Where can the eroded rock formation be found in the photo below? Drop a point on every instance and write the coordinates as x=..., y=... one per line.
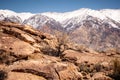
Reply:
x=28, y=54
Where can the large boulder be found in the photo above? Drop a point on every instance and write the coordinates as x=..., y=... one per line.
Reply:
x=48, y=69
x=101, y=76
x=79, y=57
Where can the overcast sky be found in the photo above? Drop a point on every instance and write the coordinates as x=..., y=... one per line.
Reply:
x=36, y=6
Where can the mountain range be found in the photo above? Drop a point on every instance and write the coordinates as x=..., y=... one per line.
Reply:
x=97, y=29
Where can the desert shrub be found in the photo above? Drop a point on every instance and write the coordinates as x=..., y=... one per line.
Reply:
x=116, y=69
x=62, y=45
x=3, y=75
x=86, y=67
x=49, y=51
x=3, y=56
x=63, y=41
x=98, y=67
x=90, y=68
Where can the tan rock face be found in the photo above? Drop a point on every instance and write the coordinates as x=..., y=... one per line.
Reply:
x=23, y=76
x=22, y=39
x=79, y=57
x=22, y=48
x=47, y=69
x=101, y=76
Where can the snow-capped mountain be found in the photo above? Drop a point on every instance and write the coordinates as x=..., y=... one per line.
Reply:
x=68, y=18
x=77, y=13
x=8, y=14
x=43, y=22
x=101, y=14
x=98, y=29
x=78, y=16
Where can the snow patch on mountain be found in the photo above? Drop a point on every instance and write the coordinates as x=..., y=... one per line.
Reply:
x=39, y=20
x=9, y=13
x=112, y=13
x=102, y=14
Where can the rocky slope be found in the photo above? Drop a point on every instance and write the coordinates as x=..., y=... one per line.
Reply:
x=96, y=34
x=28, y=54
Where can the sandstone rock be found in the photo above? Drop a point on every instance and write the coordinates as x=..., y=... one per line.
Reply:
x=79, y=57
x=70, y=55
x=47, y=69
x=22, y=48
x=24, y=39
x=23, y=76
x=28, y=38
x=105, y=65
x=70, y=73
x=101, y=76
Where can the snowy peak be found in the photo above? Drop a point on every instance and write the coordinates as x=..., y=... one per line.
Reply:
x=38, y=21
x=9, y=13
x=112, y=13
x=67, y=15
x=102, y=14
x=25, y=16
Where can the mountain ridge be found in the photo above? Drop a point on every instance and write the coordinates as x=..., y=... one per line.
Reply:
x=10, y=12
x=98, y=29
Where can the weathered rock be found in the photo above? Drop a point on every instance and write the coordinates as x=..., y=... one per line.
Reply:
x=23, y=76
x=71, y=73
x=101, y=76
x=70, y=55
x=22, y=48
x=20, y=38
x=47, y=69
x=79, y=57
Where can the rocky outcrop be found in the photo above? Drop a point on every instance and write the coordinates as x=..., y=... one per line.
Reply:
x=25, y=54
x=28, y=54
x=101, y=76
x=79, y=57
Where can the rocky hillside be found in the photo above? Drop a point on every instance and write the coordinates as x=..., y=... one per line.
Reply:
x=28, y=54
